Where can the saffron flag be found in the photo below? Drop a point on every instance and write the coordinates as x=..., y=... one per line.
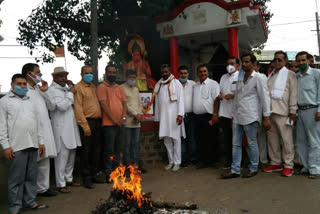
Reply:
x=59, y=51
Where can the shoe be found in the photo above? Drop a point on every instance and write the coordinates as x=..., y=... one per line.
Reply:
x=249, y=174
x=99, y=178
x=88, y=185
x=169, y=166
x=176, y=167
x=230, y=175
x=273, y=168
x=302, y=171
x=287, y=172
x=184, y=164
x=48, y=193
x=142, y=170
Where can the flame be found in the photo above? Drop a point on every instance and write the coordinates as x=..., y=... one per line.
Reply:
x=129, y=188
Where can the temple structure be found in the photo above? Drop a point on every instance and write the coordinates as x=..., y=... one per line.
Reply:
x=208, y=31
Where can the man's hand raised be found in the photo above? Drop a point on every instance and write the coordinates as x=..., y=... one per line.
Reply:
x=44, y=86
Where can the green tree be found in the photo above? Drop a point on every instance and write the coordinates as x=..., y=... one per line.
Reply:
x=58, y=21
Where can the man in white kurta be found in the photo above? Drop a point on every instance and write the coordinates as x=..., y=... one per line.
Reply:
x=169, y=111
x=38, y=95
x=65, y=128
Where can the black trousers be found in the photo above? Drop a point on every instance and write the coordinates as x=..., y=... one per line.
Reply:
x=90, y=149
x=225, y=141
x=206, y=138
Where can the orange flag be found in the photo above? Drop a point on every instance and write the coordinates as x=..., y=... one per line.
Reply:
x=59, y=51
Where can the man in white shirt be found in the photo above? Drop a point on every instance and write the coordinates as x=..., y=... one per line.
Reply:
x=251, y=93
x=227, y=86
x=169, y=111
x=188, y=146
x=65, y=128
x=21, y=139
x=205, y=106
x=38, y=94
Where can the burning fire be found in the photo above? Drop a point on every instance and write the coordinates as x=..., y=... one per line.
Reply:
x=131, y=189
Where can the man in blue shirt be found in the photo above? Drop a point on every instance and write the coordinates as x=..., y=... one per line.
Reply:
x=308, y=125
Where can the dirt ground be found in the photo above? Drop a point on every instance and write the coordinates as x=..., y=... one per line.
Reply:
x=266, y=193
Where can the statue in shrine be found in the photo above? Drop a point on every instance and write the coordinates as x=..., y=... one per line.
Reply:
x=136, y=49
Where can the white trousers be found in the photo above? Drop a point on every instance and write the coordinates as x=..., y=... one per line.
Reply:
x=173, y=149
x=64, y=163
x=43, y=175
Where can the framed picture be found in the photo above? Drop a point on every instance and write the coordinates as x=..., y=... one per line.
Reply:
x=146, y=98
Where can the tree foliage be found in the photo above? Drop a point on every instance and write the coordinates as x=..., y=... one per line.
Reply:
x=58, y=21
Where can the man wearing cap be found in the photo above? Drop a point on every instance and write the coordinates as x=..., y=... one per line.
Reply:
x=65, y=129
x=88, y=114
x=38, y=95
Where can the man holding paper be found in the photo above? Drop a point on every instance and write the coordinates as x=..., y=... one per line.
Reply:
x=282, y=85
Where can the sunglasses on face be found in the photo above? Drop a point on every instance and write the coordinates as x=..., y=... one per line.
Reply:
x=277, y=59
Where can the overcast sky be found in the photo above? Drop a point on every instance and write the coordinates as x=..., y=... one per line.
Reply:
x=291, y=30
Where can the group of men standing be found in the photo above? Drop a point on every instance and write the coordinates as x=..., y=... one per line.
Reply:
x=216, y=121
x=202, y=123
x=41, y=122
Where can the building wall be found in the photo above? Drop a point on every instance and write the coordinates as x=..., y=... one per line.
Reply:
x=152, y=151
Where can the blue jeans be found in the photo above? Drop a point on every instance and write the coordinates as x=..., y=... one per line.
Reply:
x=131, y=146
x=188, y=144
x=113, y=141
x=251, y=132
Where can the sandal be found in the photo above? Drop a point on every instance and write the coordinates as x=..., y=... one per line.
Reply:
x=73, y=184
x=64, y=190
x=314, y=176
x=37, y=207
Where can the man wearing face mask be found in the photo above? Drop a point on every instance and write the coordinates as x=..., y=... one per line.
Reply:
x=169, y=111
x=88, y=114
x=188, y=146
x=251, y=94
x=308, y=123
x=114, y=110
x=39, y=95
x=282, y=84
x=227, y=86
x=134, y=107
x=21, y=140
x=65, y=129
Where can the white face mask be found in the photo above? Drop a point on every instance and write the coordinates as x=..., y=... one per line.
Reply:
x=131, y=82
x=231, y=69
x=37, y=79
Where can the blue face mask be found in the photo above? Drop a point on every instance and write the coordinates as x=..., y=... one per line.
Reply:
x=183, y=80
x=19, y=90
x=88, y=78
